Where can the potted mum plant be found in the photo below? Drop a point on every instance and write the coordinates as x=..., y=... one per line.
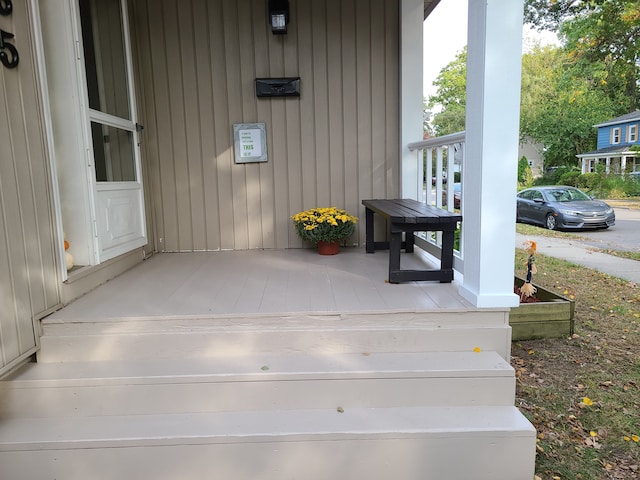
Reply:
x=325, y=226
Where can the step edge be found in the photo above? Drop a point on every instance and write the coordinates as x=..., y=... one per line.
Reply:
x=354, y=424
x=264, y=368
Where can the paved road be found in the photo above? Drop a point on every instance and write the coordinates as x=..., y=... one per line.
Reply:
x=625, y=235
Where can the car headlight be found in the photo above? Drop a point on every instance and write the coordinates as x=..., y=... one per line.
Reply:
x=609, y=211
x=568, y=212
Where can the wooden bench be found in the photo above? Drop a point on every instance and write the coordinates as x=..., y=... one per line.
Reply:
x=409, y=216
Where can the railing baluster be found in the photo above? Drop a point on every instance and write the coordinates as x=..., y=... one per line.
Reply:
x=445, y=170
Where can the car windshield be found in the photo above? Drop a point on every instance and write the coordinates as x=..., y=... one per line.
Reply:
x=567, y=195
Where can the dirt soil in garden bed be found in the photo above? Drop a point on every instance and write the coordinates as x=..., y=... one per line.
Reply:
x=583, y=393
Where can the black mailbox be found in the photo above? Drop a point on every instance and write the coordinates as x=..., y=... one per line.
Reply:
x=278, y=87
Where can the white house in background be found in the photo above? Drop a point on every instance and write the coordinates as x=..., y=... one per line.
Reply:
x=616, y=137
x=118, y=124
x=533, y=152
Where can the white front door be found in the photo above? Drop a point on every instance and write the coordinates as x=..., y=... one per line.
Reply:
x=119, y=221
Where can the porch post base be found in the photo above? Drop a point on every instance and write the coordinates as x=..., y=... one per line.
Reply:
x=485, y=300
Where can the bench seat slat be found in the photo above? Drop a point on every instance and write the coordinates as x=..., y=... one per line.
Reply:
x=411, y=211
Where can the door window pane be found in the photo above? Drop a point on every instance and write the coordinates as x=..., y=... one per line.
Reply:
x=113, y=154
x=104, y=55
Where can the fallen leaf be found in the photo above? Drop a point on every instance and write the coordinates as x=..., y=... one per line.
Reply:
x=586, y=402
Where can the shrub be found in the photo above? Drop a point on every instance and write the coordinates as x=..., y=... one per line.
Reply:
x=525, y=175
x=570, y=178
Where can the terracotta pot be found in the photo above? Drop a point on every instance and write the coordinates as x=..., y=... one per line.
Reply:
x=328, y=248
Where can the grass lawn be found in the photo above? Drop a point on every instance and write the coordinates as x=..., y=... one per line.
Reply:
x=583, y=393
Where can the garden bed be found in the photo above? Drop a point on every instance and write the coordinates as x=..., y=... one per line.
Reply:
x=550, y=317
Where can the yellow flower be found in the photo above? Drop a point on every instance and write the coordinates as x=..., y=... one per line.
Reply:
x=324, y=224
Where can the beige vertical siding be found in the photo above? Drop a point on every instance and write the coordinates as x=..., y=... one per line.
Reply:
x=28, y=279
x=334, y=145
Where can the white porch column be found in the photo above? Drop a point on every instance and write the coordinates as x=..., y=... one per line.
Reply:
x=491, y=169
x=411, y=19
x=623, y=164
x=607, y=167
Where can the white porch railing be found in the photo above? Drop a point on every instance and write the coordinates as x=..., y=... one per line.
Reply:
x=436, y=185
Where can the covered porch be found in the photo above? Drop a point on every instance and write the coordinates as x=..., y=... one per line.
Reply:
x=199, y=338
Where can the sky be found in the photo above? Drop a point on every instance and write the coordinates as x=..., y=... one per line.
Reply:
x=446, y=27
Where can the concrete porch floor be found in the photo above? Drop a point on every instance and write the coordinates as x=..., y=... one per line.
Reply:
x=261, y=282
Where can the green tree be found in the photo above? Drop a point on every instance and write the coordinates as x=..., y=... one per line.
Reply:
x=605, y=42
x=560, y=105
x=450, y=96
x=601, y=37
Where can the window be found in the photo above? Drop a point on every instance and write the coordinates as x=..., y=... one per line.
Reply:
x=615, y=135
x=632, y=133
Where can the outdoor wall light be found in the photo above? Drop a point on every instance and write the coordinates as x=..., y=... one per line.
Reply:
x=278, y=16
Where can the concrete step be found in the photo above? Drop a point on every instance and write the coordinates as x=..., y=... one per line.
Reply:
x=425, y=443
x=258, y=382
x=180, y=338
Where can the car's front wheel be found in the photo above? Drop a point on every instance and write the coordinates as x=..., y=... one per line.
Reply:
x=552, y=223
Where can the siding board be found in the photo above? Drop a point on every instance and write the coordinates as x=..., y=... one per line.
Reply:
x=334, y=145
x=206, y=122
x=320, y=26
x=175, y=69
x=194, y=161
x=378, y=114
x=307, y=121
x=166, y=194
x=263, y=111
x=344, y=171
x=336, y=153
x=363, y=170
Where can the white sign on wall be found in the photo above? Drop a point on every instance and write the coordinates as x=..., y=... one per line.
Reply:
x=250, y=142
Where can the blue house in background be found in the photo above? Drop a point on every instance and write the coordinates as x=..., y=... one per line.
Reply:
x=616, y=138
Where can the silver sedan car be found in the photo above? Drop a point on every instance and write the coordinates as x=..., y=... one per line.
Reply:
x=562, y=208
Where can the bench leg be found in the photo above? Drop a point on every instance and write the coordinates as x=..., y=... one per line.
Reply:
x=446, y=259
x=394, y=255
x=370, y=243
x=408, y=242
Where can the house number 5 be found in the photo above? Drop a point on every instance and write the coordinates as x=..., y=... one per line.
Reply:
x=8, y=53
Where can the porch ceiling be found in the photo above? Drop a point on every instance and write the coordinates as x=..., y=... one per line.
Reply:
x=261, y=282
x=429, y=5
